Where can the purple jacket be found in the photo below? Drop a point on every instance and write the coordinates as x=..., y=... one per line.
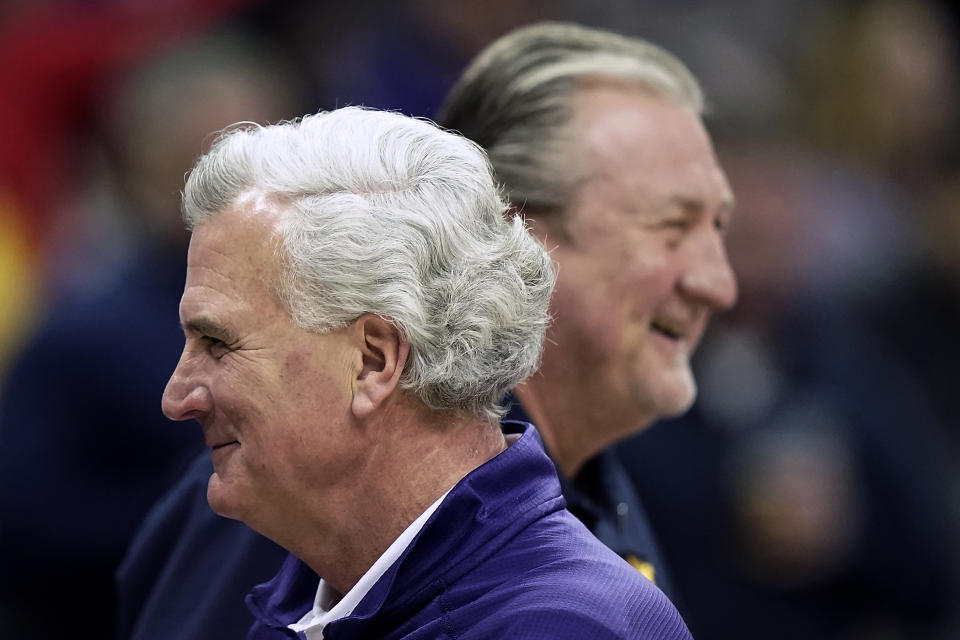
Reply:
x=500, y=558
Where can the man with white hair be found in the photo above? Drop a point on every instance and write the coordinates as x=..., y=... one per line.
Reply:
x=356, y=305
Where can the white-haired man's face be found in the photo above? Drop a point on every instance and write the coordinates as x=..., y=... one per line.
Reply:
x=641, y=260
x=273, y=399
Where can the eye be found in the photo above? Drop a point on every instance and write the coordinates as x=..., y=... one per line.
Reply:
x=721, y=224
x=673, y=230
x=675, y=223
x=217, y=348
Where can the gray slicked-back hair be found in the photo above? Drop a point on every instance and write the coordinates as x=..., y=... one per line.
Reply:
x=515, y=98
x=390, y=215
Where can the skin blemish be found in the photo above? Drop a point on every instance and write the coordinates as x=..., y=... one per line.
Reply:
x=296, y=363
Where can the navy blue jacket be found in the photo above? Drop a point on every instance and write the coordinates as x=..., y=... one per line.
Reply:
x=500, y=558
x=604, y=498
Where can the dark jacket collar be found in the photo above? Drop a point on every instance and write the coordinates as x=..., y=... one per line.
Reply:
x=603, y=497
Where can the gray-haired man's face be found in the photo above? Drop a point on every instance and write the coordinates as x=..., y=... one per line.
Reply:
x=642, y=264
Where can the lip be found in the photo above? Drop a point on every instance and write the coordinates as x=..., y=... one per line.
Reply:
x=220, y=453
x=679, y=328
x=667, y=340
x=218, y=438
x=672, y=332
x=668, y=335
x=672, y=344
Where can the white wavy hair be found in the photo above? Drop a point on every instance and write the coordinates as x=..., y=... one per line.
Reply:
x=393, y=216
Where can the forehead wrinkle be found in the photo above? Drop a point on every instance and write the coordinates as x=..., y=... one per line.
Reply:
x=205, y=307
x=231, y=270
x=267, y=242
x=211, y=253
x=208, y=276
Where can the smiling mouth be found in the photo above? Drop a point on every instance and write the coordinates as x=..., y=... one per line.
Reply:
x=665, y=330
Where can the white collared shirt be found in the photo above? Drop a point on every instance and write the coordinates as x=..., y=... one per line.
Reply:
x=326, y=606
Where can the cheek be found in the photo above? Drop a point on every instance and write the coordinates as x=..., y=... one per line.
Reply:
x=589, y=318
x=632, y=267
x=643, y=284
x=240, y=383
x=295, y=364
x=629, y=290
x=606, y=305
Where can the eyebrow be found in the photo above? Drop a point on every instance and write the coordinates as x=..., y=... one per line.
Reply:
x=693, y=205
x=207, y=327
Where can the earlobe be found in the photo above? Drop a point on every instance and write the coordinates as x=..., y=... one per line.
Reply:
x=384, y=351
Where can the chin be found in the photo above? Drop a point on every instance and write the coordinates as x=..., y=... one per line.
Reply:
x=679, y=408
x=220, y=499
x=678, y=398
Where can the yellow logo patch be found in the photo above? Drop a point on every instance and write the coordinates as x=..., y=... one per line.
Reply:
x=644, y=567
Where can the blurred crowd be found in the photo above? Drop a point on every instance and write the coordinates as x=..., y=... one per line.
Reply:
x=814, y=489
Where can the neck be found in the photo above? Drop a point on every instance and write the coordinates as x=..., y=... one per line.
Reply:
x=413, y=460
x=573, y=428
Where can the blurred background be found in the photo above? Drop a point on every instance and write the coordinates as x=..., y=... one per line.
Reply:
x=813, y=491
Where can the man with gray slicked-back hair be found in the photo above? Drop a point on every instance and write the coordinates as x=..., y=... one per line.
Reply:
x=516, y=100
x=356, y=305
x=598, y=141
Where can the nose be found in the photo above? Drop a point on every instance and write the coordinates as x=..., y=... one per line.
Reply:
x=185, y=396
x=708, y=277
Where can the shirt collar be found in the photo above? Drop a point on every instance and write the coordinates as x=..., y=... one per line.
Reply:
x=329, y=606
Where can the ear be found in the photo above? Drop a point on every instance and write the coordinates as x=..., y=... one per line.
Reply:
x=384, y=351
